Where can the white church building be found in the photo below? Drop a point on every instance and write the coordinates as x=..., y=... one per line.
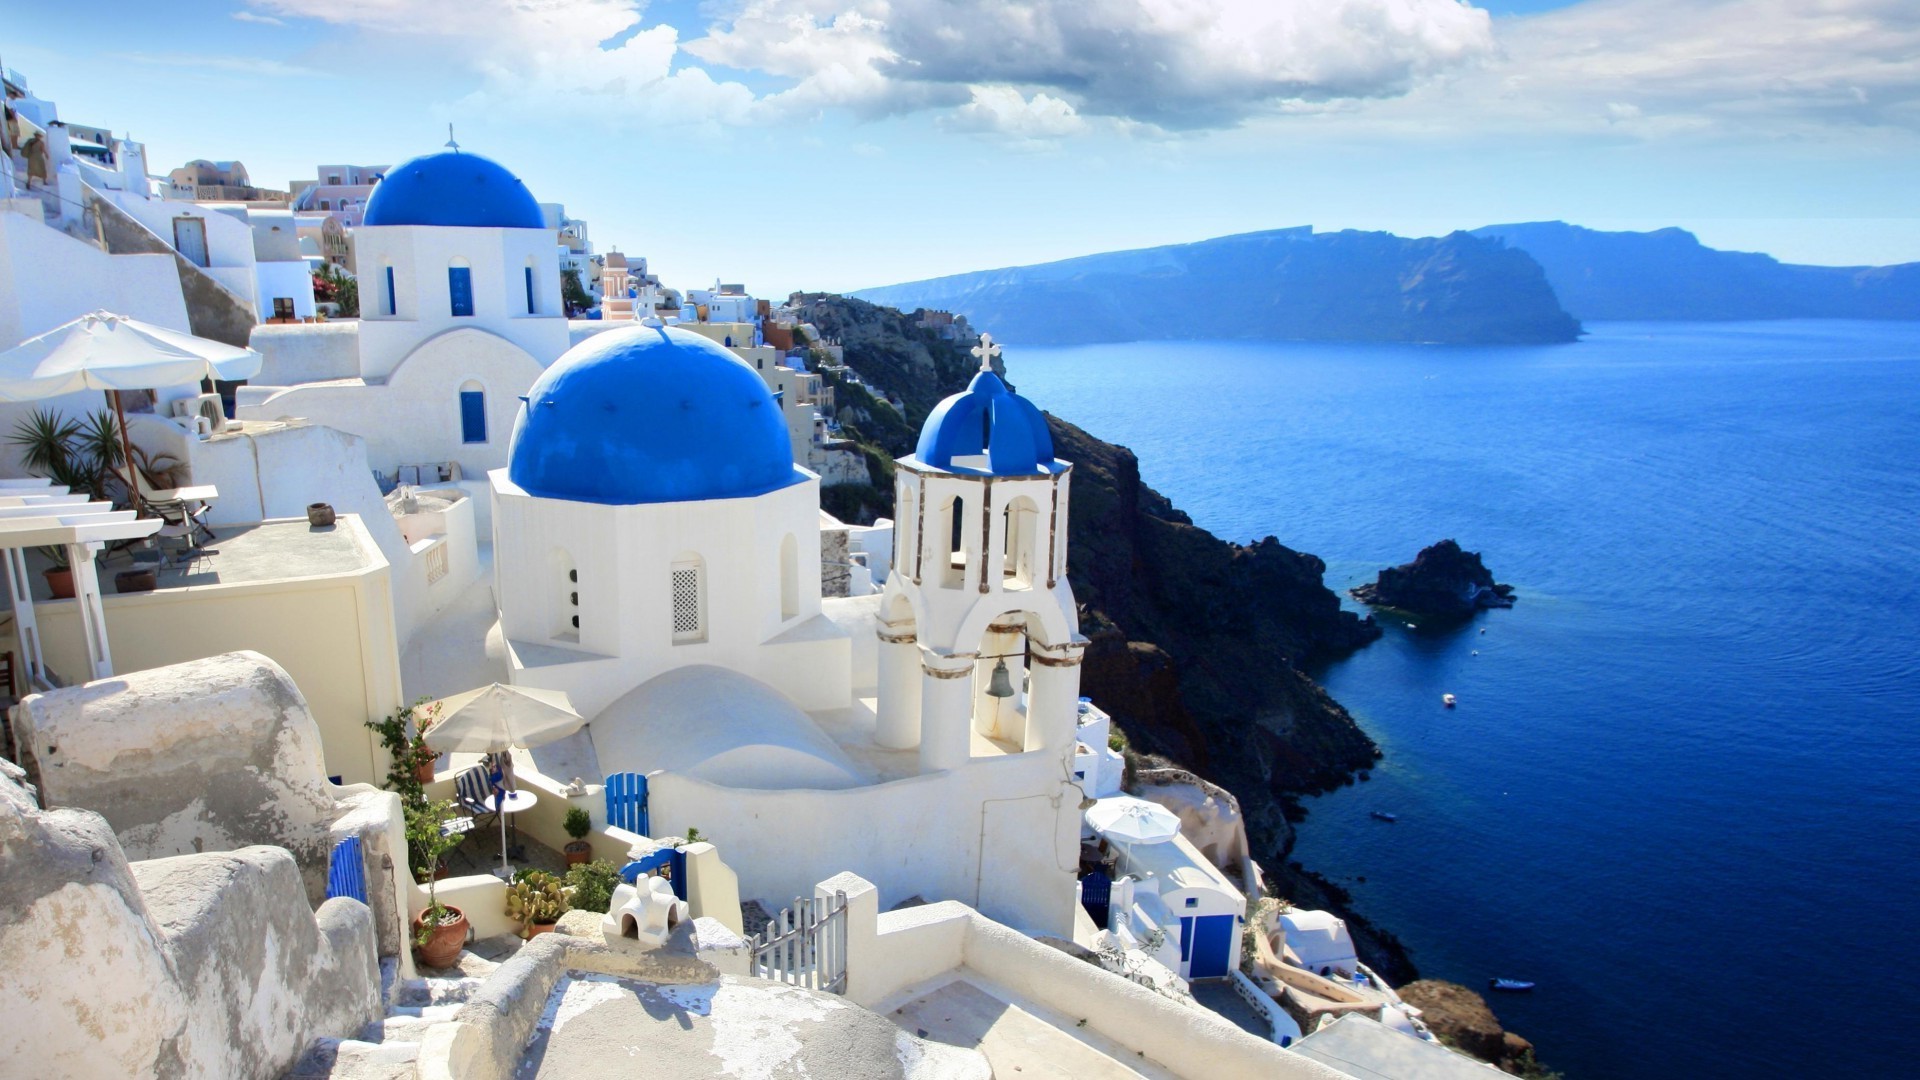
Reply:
x=657, y=558
x=460, y=311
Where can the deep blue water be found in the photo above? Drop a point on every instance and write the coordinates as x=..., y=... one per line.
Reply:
x=1679, y=790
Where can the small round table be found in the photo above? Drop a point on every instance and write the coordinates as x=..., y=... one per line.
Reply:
x=505, y=803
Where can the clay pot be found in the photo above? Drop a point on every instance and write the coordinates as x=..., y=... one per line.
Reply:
x=423, y=772
x=319, y=515
x=60, y=580
x=444, y=944
x=577, y=852
x=136, y=581
x=534, y=930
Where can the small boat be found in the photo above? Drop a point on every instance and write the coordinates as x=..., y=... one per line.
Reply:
x=1382, y=815
x=1448, y=700
x=1511, y=985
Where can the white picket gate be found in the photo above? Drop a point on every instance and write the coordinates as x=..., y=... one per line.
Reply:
x=806, y=944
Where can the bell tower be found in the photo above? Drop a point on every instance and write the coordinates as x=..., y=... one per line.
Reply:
x=979, y=634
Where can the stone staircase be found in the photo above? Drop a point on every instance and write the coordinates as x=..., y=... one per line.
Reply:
x=386, y=1048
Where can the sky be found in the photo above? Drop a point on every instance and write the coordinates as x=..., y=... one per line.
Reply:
x=836, y=144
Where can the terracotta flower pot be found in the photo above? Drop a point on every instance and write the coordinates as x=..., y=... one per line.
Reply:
x=443, y=946
x=577, y=852
x=319, y=514
x=423, y=772
x=534, y=930
x=60, y=580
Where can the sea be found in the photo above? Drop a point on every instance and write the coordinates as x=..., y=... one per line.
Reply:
x=1678, y=791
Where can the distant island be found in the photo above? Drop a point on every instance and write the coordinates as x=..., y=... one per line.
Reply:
x=1283, y=284
x=1519, y=284
x=1670, y=274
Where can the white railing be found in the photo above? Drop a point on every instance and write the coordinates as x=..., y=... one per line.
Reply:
x=437, y=561
x=806, y=944
x=1285, y=1031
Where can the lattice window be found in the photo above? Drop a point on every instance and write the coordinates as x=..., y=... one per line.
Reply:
x=689, y=616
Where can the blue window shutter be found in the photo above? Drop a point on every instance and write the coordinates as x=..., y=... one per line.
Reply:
x=460, y=289
x=529, y=290
x=393, y=298
x=473, y=416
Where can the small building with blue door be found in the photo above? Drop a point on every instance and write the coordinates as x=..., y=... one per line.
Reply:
x=1199, y=908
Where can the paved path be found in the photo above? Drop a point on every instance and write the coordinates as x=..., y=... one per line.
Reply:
x=1020, y=1041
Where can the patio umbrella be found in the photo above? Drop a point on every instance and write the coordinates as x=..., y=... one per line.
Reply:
x=104, y=351
x=497, y=718
x=1127, y=820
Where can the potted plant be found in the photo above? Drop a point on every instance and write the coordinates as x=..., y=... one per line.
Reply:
x=60, y=574
x=410, y=759
x=440, y=930
x=424, y=757
x=538, y=900
x=578, y=825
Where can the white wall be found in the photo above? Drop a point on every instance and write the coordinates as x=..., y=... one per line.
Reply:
x=420, y=256
x=290, y=355
x=229, y=240
x=413, y=418
x=48, y=278
x=1000, y=834
x=291, y=279
x=624, y=556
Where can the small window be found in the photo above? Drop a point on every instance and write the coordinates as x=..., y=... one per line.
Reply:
x=393, y=297
x=473, y=416
x=283, y=307
x=333, y=178
x=1193, y=901
x=689, y=604
x=460, y=289
x=529, y=271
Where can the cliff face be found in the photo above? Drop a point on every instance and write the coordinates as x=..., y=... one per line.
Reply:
x=1287, y=284
x=1670, y=274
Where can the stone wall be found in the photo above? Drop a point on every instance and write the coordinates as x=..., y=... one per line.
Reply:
x=214, y=311
x=198, y=966
x=207, y=755
x=835, y=555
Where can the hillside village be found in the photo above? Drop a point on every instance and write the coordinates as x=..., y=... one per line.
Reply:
x=430, y=654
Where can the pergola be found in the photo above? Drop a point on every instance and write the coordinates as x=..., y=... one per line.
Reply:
x=36, y=513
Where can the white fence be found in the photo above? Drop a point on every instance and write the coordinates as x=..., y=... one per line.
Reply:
x=806, y=944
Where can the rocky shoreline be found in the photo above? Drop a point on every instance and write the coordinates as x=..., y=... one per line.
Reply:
x=1442, y=582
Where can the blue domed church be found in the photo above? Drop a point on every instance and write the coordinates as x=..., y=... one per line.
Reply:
x=460, y=310
x=650, y=517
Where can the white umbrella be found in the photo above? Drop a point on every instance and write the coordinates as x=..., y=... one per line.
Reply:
x=104, y=351
x=496, y=718
x=1128, y=820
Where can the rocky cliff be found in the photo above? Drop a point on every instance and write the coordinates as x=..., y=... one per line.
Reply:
x=1291, y=284
x=1463, y=1021
x=1670, y=274
x=1442, y=581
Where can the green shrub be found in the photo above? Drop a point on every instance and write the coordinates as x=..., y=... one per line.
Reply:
x=591, y=885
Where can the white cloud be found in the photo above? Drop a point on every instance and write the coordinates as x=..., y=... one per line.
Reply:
x=255, y=66
x=1004, y=110
x=252, y=17
x=1653, y=68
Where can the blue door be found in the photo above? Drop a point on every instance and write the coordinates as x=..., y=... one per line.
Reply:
x=473, y=416
x=1212, y=946
x=460, y=289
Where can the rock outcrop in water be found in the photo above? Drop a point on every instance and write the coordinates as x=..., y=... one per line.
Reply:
x=1462, y=1020
x=1442, y=581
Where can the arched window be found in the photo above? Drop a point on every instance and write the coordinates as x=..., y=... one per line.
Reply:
x=687, y=599
x=949, y=536
x=1019, y=527
x=566, y=597
x=789, y=577
x=473, y=412
x=460, y=288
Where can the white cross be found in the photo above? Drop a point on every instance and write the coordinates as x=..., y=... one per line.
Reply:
x=987, y=351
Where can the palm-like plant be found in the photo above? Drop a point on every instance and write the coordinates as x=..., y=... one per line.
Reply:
x=79, y=454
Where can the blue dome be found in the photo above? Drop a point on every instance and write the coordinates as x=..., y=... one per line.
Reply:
x=453, y=188
x=987, y=419
x=649, y=414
